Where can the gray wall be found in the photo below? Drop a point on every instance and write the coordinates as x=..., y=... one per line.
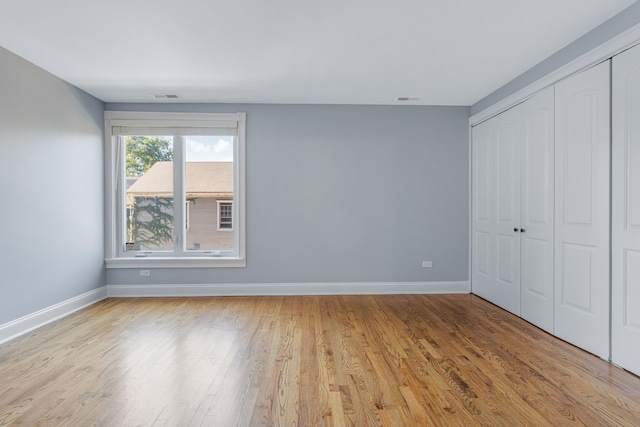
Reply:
x=609, y=29
x=344, y=194
x=51, y=170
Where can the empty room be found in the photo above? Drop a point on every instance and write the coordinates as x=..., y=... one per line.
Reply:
x=335, y=213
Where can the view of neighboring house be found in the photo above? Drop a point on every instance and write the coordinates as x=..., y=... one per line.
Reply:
x=208, y=210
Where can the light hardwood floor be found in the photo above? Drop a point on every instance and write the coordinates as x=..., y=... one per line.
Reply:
x=403, y=360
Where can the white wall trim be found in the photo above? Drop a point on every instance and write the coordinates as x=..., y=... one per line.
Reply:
x=264, y=289
x=115, y=124
x=470, y=216
x=21, y=326
x=28, y=323
x=175, y=262
x=610, y=48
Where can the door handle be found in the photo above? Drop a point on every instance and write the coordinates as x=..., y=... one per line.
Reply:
x=515, y=229
x=522, y=230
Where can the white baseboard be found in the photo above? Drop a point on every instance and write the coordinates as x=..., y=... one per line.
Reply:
x=260, y=289
x=21, y=326
x=28, y=323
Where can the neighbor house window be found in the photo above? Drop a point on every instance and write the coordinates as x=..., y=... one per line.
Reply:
x=225, y=215
x=176, y=189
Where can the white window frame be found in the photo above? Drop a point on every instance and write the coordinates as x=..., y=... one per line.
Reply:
x=220, y=202
x=187, y=215
x=171, y=124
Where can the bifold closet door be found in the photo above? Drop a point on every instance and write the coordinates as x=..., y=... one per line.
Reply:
x=513, y=210
x=496, y=210
x=482, y=270
x=506, y=202
x=536, y=222
x=582, y=210
x=625, y=251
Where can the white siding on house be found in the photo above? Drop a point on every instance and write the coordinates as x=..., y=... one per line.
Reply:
x=203, y=226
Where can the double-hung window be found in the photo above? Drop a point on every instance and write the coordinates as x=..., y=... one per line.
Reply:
x=175, y=189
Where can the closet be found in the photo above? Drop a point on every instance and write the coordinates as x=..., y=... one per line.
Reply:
x=556, y=209
x=540, y=209
x=512, y=254
x=625, y=254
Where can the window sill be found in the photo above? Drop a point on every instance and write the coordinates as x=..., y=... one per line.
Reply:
x=167, y=262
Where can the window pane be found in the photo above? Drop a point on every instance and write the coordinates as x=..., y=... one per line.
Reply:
x=149, y=198
x=209, y=179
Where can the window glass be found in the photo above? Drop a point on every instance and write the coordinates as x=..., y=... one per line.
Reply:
x=149, y=196
x=209, y=179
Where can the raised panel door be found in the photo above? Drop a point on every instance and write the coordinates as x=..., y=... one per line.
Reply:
x=507, y=183
x=482, y=210
x=537, y=244
x=582, y=155
x=625, y=251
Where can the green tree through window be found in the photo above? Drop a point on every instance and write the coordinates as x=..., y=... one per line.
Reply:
x=143, y=152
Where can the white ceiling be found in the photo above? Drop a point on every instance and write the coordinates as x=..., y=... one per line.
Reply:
x=448, y=52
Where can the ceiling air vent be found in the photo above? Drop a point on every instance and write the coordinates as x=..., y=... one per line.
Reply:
x=408, y=98
x=166, y=96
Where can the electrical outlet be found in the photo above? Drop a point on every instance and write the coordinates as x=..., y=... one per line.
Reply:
x=145, y=273
x=427, y=264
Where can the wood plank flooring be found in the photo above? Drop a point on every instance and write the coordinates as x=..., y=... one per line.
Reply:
x=401, y=360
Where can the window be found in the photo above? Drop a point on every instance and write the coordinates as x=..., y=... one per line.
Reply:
x=225, y=217
x=160, y=161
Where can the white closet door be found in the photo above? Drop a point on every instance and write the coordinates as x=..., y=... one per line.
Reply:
x=582, y=210
x=482, y=237
x=508, y=140
x=625, y=348
x=537, y=242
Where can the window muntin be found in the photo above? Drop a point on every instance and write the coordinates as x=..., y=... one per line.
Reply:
x=197, y=166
